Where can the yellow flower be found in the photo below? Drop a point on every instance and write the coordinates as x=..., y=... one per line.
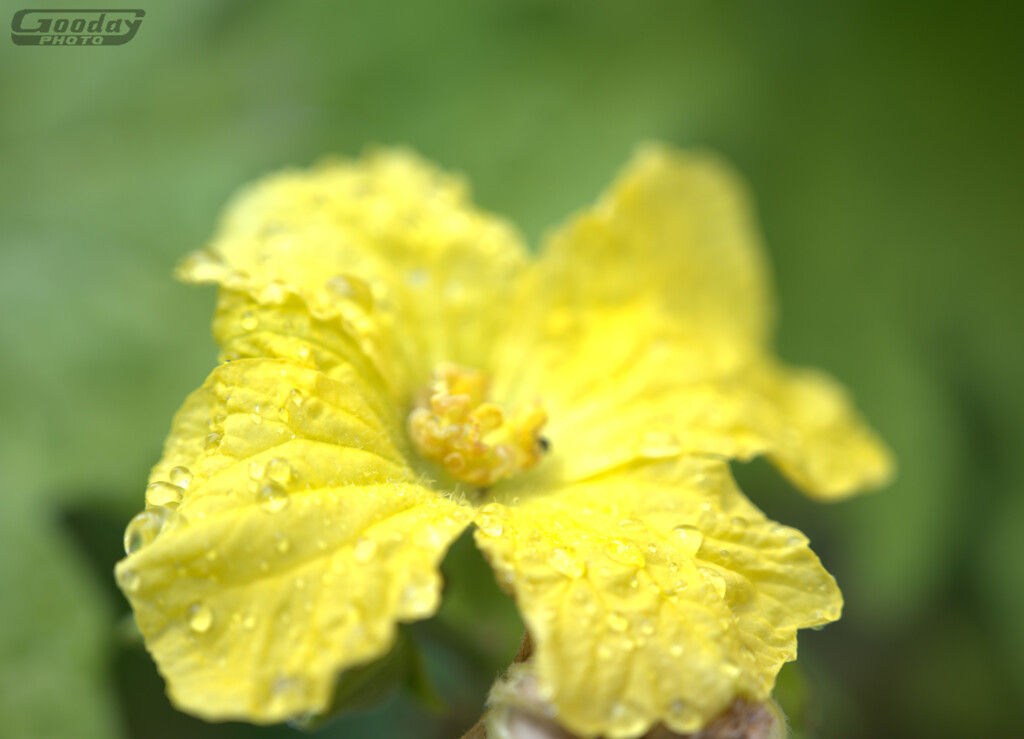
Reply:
x=396, y=369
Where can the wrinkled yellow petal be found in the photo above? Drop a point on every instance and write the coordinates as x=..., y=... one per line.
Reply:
x=644, y=327
x=656, y=595
x=294, y=537
x=387, y=249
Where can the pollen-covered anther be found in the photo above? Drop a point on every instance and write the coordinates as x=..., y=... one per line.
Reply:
x=473, y=439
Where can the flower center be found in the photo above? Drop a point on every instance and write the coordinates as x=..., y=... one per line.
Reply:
x=472, y=438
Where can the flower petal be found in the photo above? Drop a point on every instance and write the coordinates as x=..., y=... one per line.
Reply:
x=284, y=538
x=647, y=320
x=660, y=594
x=387, y=246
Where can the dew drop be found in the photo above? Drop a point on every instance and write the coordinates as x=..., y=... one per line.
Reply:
x=285, y=694
x=567, y=561
x=256, y=418
x=617, y=622
x=142, y=529
x=689, y=538
x=350, y=288
x=295, y=397
x=272, y=497
x=677, y=709
x=430, y=537
x=163, y=494
x=249, y=321
x=279, y=470
x=181, y=476
x=274, y=292
x=200, y=618
x=364, y=550
x=626, y=552
x=282, y=413
x=419, y=598
x=630, y=524
x=129, y=580
x=714, y=579
x=489, y=520
x=659, y=445
x=628, y=719
x=202, y=266
x=256, y=470
x=212, y=441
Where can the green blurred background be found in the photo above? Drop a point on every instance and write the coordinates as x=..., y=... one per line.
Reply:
x=882, y=141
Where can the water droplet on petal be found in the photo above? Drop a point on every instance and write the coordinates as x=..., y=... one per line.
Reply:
x=200, y=618
x=567, y=561
x=626, y=552
x=256, y=418
x=249, y=321
x=677, y=709
x=181, y=476
x=286, y=694
x=345, y=287
x=617, y=622
x=142, y=529
x=163, y=494
x=212, y=441
x=279, y=470
x=129, y=580
x=202, y=266
x=274, y=292
x=272, y=497
x=659, y=445
x=295, y=397
x=489, y=520
x=628, y=719
x=688, y=538
x=364, y=550
x=714, y=579
x=419, y=597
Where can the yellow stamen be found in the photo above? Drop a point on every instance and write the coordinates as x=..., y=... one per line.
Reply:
x=473, y=439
